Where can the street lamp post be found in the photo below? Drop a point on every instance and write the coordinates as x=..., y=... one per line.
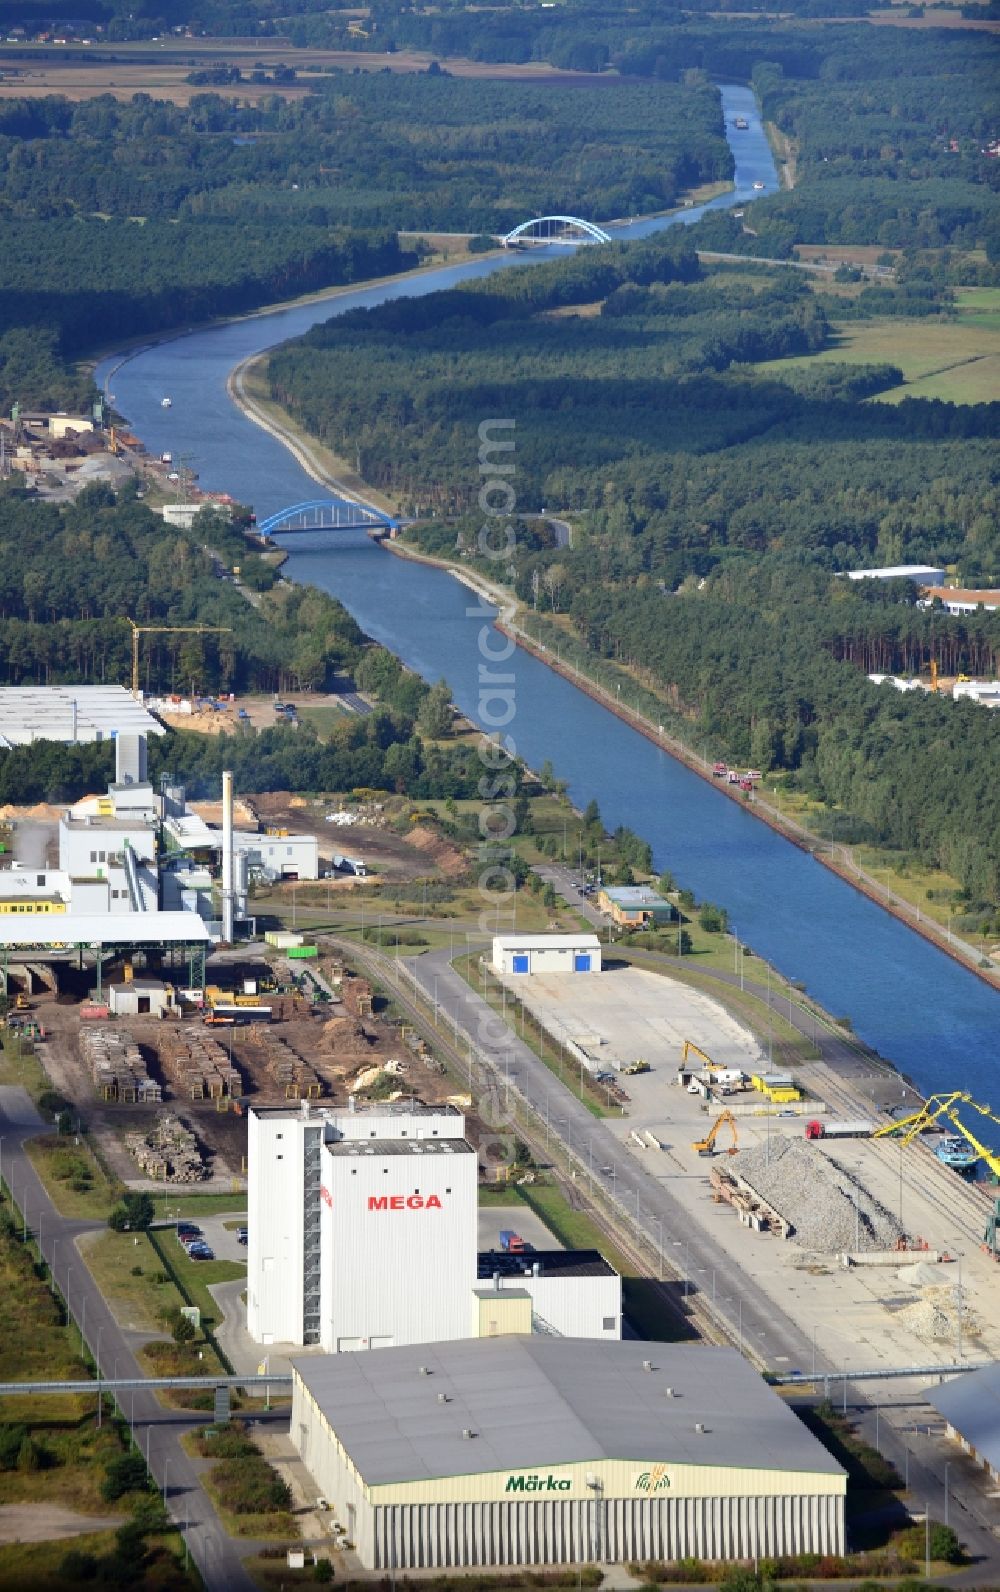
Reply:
x=947, y=1467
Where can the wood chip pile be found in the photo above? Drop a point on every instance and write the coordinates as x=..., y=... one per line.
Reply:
x=116, y=1066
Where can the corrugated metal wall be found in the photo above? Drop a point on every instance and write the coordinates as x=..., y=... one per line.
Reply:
x=614, y=1530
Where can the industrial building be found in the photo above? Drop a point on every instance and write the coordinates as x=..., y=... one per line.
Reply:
x=920, y=574
x=546, y=953
x=533, y=1450
x=970, y=1405
x=136, y=869
x=363, y=1235
x=962, y=599
x=71, y=714
x=634, y=906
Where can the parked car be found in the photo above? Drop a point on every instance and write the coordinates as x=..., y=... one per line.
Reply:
x=202, y=1254
x=241, y=1235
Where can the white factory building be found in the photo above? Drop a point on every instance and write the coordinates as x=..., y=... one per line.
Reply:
x=533, y=1450
x=546, y=953
x=363, y=1235
x=135, y=867
x=71, y=714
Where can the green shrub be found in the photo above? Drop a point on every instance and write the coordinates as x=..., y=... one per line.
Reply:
x=76, y=1566
x=30, y=1456
x=133, y=1213
x=126, y=1473
x=250, y=1486
x=11, y=1438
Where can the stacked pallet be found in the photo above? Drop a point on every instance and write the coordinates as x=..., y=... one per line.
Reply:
x=116, y=1066
x=199, y=1065
x=169, y=1152
x=295, y=1076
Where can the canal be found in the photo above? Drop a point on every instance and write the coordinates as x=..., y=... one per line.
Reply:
x=915, y=1005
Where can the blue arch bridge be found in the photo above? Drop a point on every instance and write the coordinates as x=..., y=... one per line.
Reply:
x=328, y=514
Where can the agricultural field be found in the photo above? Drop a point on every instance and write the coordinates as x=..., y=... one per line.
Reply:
x=955, y=360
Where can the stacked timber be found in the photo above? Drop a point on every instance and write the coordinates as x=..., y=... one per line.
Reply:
x=168, y=1152
x=199, y=1065
x=117, y=1066
x=296, y=1077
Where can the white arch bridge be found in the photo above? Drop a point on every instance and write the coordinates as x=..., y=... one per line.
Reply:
x=327, y=514
x=554, y=229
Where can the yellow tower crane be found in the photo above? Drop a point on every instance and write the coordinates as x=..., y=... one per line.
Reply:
x=163, y=630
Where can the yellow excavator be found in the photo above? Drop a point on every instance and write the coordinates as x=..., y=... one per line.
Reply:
x=706, y=1146
x=689, y=1046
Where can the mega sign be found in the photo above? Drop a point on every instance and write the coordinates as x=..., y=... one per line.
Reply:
x=536, y=1483
x=403, y=1202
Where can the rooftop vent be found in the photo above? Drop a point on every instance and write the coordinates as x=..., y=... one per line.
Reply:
x=647, y=1365
x=443, y=1398
x=699, y=1426
x=468, y=1432
x=425, y=1370
x=669, y=1393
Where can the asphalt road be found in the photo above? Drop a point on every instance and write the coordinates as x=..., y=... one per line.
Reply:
x=157, y=1431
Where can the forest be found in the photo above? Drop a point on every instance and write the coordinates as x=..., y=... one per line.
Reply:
x=126, y=218
x=70, y=573
x=713, y=509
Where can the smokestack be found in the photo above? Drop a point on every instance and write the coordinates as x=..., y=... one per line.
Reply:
x=227, y=856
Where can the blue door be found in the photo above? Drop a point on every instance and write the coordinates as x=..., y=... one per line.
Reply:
x=581, y=962
x=520, y=962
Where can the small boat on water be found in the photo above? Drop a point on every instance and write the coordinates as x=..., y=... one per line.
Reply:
x=166, y=403
x=758, y=187
x=741, y=124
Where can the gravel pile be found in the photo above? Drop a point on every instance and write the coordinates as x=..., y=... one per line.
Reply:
x=817, y=1197
x=935, y=1317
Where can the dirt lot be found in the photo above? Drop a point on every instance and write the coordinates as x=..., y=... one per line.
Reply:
x=420, y=854
x=341, y=1045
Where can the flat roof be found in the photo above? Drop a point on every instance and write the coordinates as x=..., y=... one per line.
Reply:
x=105, y=928
x=45, y=713
x=550, y=1262
x=971, y=1404
x=545, y=942
x=635, y=895
x=896, y=572
x=539, y=1401
x=355, y=1148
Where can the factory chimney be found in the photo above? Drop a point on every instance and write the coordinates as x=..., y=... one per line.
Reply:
x=227, y=856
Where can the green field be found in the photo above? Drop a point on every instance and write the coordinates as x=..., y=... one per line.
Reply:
x=956, y=360
x=137, y=1302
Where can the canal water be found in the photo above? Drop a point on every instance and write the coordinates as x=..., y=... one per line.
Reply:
x=915, y=1005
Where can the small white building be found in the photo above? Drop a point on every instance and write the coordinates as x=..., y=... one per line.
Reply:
x=140, y=997
x=514, y=954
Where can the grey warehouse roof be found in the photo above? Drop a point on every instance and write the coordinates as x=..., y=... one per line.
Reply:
x=971, y=1404
x=538, y=1401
